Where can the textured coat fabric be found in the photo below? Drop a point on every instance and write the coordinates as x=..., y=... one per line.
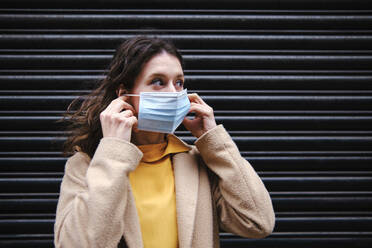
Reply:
x=215, y=188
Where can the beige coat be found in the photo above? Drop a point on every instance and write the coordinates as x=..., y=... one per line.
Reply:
x=215, y=187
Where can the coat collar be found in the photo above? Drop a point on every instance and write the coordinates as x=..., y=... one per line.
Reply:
x=186, y=173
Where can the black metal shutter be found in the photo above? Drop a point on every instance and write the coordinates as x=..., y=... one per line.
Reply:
x=291, y=81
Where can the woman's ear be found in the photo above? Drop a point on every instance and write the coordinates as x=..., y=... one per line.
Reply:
x=121, y=90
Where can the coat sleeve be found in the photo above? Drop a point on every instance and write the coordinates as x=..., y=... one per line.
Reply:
x=243, y=204
x=93, y=195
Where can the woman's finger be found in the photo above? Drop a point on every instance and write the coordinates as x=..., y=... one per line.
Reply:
x=194, y=97
x=124, y=117
x=133, y=120
x=126, y=113
x=200, y=99
x=199, y=109
x=117, y=105
x=126, y=104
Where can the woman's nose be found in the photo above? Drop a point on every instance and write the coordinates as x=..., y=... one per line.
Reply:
x=171, y=87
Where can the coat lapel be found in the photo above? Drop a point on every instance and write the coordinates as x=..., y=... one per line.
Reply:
x=186, y=173
x=132, y=228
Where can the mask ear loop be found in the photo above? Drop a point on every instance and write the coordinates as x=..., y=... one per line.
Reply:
x=130, y=95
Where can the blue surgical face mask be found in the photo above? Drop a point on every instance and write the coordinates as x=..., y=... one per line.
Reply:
x=162, y=112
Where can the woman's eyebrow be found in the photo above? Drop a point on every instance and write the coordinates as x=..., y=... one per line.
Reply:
x=162, y=75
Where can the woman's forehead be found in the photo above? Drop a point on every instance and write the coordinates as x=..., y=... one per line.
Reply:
x=163, y=64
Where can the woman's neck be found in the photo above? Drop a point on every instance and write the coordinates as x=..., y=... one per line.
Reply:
x=146, y=138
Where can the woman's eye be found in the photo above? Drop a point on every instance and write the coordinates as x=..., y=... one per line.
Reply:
x=157, y=82
x=179, y=83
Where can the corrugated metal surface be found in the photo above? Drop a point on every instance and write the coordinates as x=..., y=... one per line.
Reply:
x=291, y=80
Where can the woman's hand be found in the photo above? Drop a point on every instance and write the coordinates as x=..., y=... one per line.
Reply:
x=118, y=123
x=204, y=116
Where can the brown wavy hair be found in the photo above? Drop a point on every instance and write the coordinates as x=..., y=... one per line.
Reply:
x=82, y=115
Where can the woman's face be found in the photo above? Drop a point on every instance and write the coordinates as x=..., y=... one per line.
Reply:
x=163, y=72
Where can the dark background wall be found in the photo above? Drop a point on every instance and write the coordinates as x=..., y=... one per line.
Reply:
x=291, y=81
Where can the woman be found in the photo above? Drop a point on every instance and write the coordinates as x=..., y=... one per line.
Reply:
x=130, y=182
